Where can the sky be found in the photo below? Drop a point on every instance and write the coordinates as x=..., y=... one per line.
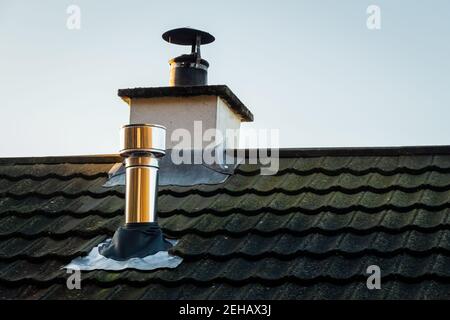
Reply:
x=311, y=69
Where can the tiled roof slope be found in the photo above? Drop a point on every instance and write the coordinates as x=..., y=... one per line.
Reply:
x=308, y=232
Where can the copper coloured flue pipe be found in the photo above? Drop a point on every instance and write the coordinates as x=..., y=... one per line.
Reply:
x=142, y=145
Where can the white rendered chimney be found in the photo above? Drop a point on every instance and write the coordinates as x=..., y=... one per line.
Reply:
x=188, y=103
x=207, y=109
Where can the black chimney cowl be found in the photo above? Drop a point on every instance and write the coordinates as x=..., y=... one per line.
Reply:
x=188, y=69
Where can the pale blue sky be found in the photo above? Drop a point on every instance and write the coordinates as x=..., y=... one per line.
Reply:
x=310, y=68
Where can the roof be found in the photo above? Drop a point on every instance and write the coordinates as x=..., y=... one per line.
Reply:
x=308, y=232
x=189, y=91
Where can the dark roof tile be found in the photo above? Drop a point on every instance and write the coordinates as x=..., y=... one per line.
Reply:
x=308, y=232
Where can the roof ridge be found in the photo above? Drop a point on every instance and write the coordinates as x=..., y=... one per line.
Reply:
x=283, y=153
x=72, y=159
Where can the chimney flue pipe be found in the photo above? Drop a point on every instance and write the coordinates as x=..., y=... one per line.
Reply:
x=142, y=145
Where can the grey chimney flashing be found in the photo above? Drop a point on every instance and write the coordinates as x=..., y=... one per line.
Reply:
x=221, y=91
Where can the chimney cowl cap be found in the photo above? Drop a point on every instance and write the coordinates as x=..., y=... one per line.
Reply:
x=187, y=36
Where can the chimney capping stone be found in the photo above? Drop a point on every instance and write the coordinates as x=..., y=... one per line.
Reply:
x=221, y=91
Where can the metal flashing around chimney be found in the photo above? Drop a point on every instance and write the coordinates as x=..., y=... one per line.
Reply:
x=96, y=261
x=181, y=175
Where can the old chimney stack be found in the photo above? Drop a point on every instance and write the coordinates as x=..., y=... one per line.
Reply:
x=188, y=101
